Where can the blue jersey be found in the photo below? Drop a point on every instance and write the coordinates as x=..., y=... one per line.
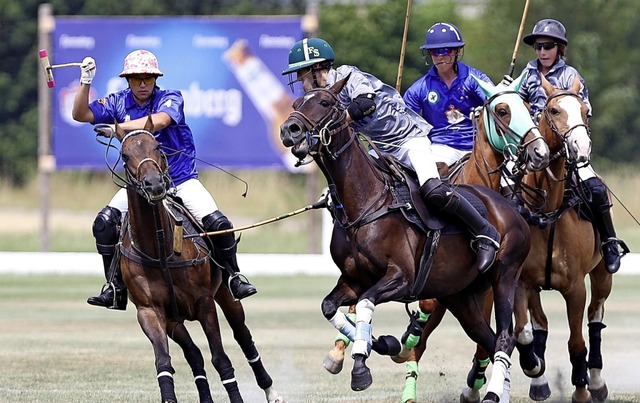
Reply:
x=176, y=139
x=448, y=109
x=560, y=76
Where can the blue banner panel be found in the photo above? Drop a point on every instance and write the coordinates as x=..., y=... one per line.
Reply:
x=228, y=69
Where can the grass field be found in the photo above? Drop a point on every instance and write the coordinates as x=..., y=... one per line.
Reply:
x=75, y=198
x=54, y=347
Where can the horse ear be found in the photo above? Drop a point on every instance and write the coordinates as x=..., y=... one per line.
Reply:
x=546, y=85
x=517, y=82
x=488, y=88
x=339, y=85
x=576, y=85
x=148, y=126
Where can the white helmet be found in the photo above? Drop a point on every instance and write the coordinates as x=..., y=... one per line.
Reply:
x=140, y=62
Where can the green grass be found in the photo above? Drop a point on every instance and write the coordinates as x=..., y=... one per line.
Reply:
x=54, y=347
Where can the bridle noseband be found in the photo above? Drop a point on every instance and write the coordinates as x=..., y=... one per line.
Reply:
x=554, y=128
x=133, y=179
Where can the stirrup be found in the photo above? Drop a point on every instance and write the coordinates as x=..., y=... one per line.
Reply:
x=478, y=238
x=244, y=281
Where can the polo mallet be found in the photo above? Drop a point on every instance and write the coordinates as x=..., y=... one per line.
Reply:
x=515, y=49
x=48, y=67
x=404, y=45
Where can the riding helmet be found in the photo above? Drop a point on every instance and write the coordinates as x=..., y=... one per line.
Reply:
x=308, y=52
x=547, y=27
x=443, y=35
x=140, y=62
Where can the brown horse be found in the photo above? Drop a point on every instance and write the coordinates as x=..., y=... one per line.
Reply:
x=505, y=132
x=563, y=253
x=171, y=280
x=385, y=257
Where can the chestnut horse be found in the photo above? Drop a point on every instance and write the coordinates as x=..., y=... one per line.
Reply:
x=171, y=280
x=384, y=257
x=563, y=253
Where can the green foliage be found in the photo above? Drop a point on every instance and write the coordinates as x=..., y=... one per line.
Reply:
x=368, y=34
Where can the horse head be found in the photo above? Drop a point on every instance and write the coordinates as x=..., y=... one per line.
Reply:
x=316, y=116
x=565, y=115
x=144, y=161
x=509, y=126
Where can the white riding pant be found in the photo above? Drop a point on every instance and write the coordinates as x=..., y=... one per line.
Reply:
x=447, y=154
x=416, y=152
x=194, y=195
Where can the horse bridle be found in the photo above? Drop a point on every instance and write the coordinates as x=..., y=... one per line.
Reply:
x=133, y=179
x=554, y=128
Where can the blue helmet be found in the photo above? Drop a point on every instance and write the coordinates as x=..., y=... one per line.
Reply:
x=550, y=28
x=443, y=35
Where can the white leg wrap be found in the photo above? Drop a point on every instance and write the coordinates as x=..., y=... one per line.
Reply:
x=501, y=365
x=362, y=339
x=340, y=322
x=526, y=336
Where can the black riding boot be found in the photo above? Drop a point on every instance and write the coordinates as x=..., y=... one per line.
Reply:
x=106, y=230
x=440, y=196
x=603, y=223
x=224, y=253
x=114, y=292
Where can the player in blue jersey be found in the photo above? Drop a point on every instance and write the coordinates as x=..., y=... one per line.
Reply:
x=446, y=95
x=130, y=108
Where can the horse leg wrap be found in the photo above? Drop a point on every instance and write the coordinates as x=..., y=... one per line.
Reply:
x=202, y=385
x=228, y=379
x=411, y=336
x=476, y=377
x=501, y=365
x=165, y=381
x=579, y=376
x=263, y=379
x=341, y=337
x=343, y=325
x=410, y=383
x=540, y=343
x=362, y=339
x=595, y=344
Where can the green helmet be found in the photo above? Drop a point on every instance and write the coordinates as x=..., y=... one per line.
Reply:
x=308, y=52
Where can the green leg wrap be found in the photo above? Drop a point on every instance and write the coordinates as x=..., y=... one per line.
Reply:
x=410, y=382
x=340, y=336
x=480, y=376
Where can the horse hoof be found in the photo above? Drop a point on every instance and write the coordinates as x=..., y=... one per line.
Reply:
x=361, y=379
x=601, y=394
x=332, y=365
x=469, y=395
x=491, y=397
x=386, y=345
x=539, y=392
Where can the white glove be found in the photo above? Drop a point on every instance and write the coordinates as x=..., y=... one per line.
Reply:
x=87, y=70
x=506, y=80
x=326, y=197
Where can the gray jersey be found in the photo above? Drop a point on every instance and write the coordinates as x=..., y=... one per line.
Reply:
x=560, y=76
x=392, y=123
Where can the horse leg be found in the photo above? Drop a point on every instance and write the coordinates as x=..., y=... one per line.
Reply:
x=431, y=312
x=476, y=377
x=334, y=360
x=575, y=301
x=194, y=357
x=537, y=332
x=208, y=319
x=361, y=377
x=153, y=325
x=234, y=313
x=601, y=284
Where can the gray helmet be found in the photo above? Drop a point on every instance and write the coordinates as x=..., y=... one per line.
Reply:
x=307, y=52
x=547, y=27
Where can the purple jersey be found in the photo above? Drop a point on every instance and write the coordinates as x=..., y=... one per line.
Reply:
x=176, y=139
x=448, y=109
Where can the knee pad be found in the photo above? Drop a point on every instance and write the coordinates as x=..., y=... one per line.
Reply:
x=438, y=194
x=599, y=197
x=106, y=230
x=224, y=244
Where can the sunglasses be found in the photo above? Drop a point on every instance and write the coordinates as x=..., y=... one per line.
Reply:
x=441, y=51
x=139, y=80
x=545, y=45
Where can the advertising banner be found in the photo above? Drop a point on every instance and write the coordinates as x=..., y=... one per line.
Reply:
x=227, y=68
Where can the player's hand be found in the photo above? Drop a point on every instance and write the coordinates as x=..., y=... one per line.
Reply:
x=506, y=80
x=87, y=70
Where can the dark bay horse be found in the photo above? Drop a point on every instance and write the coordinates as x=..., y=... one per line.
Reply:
x=563, y=254
x=381, y=254
x=171, y=280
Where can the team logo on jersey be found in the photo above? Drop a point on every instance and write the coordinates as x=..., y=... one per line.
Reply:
x=432, y=97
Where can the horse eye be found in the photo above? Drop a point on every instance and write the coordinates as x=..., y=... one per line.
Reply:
x=554, y=111
x=325, y=103
x=502, y=112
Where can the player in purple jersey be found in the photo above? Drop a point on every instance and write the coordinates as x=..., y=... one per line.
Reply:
x=130, y=108
x=446, y=95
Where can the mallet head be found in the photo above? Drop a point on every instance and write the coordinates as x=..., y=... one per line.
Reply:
x=46, y=65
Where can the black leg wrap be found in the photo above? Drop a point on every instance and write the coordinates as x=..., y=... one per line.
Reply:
x=540, y=342
x=595, y=344
x=476, y=373
x=579, y=376
x=204, y=392
x=528, y=360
